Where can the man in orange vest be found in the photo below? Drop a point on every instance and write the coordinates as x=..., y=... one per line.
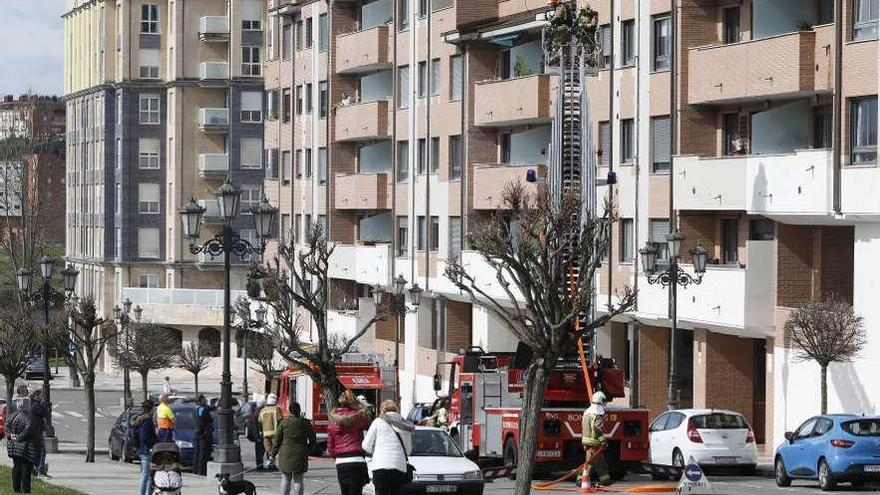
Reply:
x=165, y=420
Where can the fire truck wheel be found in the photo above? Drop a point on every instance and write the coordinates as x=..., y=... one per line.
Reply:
x=657, y=474
x=510, y=454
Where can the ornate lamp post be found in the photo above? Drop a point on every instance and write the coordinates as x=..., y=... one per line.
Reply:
x=396, y=305
x=47, y=296
x=227, y=242
x=673, y=276
x=259, y=321
x=123, y=321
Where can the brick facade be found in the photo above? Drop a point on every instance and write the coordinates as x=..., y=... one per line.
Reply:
x=653, y=368
x=724, y=372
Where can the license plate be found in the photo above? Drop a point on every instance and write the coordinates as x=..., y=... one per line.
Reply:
x=441, y=489
x=872, y=469
x=725, y=459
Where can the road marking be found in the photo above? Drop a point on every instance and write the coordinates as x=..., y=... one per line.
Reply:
x=74, y=414
x=57, y=415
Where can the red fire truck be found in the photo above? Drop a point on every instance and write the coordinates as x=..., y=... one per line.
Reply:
x=364, y=374
x=486, y=404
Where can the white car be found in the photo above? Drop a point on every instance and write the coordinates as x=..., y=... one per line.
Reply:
x=713, y=437
x=440, y=466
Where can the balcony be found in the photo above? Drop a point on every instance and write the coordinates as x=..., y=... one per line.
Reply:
x=213, y=120
x=491, y=180
x=780, y=66
x=365, y=264
x=213, y=71
x=213, y=165
x=362, y=192
x=212, y=211
x=363, y=51
x=520, y=101
x=797, y=183
x=730, y=296
x=203, y=307
x=362, y=122
x=214, y=28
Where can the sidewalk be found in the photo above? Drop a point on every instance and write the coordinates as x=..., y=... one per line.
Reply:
x=113, y=383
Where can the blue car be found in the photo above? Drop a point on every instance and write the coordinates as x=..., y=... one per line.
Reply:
x=184, y=429
x=833, y=448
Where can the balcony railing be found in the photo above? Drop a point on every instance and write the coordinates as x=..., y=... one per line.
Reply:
x=213, y=70
x=213, y=165
x=362, y=121
x=367, y=264
x=214, y=28
x=362, y=192
x=520, y=101
x=214, y=119
x=490, y=182
x=363, y=51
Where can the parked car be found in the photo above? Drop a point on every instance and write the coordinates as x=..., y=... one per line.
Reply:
x=712, y=437
x=120, y=444
x=184, y=429
x=36, y=368
x=419, y=412
x=440, y=465
x=833, y=448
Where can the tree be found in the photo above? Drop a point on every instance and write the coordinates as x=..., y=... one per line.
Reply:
x=531, y=246
x=18, y=344
x=825, y=331
x=87, y=334
x=261, y=352
x=194, y=360
x=143, y=348
x=296, y=282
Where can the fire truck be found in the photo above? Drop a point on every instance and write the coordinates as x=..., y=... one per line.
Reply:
x=485, y=392
x=363, y=374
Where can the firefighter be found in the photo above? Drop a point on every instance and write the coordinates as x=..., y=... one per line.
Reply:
x=270, y=416
x=594, y=438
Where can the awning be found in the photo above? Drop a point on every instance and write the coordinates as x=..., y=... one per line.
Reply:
x=361, y=382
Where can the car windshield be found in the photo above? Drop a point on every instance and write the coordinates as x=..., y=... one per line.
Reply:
x=863, y=427
x=433, y=443
x=720, y=421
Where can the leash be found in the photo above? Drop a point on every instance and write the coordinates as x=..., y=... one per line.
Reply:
x=246, y=471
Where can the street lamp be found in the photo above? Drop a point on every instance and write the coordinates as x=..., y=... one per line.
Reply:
x=397, y=306
x=47, y=296
x=123, y=321
x=672, y=276
x=259, y=321
x=226, y=243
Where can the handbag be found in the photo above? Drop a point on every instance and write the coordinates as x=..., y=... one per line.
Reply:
x=410, y=469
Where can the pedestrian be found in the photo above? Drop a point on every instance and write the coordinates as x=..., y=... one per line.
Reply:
x=294, y=441
x=270, y=417
x=165, y=419
x=345, y=436
x=166, y=386
x=389, y=442
x=254, y=434
x=203, y=438
x=145, y=433
x=21, y=445
x=40, y=415
x=21, y=392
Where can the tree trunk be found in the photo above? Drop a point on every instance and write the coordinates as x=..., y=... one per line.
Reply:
x=89, y=382
x=824, y=387
x=10, y=393
x=196, y=380
x=144, y=387
x=331, y=390
x=536, y=377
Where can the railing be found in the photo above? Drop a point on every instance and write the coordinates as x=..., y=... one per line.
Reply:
x=213, y=117
x=213, y=70
x=214, y=27
x=213, y=164
x=211, y=298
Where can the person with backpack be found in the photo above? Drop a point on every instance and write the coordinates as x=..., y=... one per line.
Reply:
x=145, y=438
x=203, y=437
x=21, y=445
x=389, y=442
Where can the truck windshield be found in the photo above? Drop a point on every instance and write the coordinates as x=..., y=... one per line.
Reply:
x=863, y=427
x=433, y=443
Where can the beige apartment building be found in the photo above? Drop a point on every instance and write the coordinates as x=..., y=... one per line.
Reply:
x=397, y=129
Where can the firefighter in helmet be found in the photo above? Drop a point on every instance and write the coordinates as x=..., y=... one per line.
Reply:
x=593, y=439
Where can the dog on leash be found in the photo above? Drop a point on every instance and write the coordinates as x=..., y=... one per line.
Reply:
x=231, y=487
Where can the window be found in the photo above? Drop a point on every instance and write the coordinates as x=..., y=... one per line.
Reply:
x=402, y=161
x=148, y=281
x=423, y=79
x=435, y=77
x=322, y=165
x=730, y=134
x=454, y=237
x=247, y=25
x=118, y=198
x=272, y=103
x=251, y=151
x=286, y=167
x=422, y=159
x=435, y=233
x=323, y=99
x=251, y=107
x=299, y=99
x=505, y=147
x=403, y=86
x=628, y=39
x=762, y=229
x=729, y=228
x=250, y=61
x=150, y=19
x=297, y=227
x=286, y=40
x=148, y=106
x=864, y=14
x=285, y=105
x=824, y=12
x=272, y=163
x=435, y=155
x=148, y=153
x=149, y=63
x=423, y=7
x=662, y=42
x=308, y=33
x=627, y=246
x=455, y=75
x=806, y=429
x=863, y=130
x=657, y=231
x=661, y=145
x=604, y=143
x=402, y=236
x=252, y=15
x=323, y=33
x=823, y=130
x=730, y=25
x=308, y=98
x=607, y=45
x=148, y=243
x=251, y=195
x=308, y=163
x=300, y=34
x=300, y=158
x=627, y=140
x=422, y=233
x=455, y=157
x=285, y=229
x=403, y=14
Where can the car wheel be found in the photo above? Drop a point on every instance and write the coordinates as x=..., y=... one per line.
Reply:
x=782, y=478
x=110, y=452
x=826, y=477
x=677, y=460
x=510, y=454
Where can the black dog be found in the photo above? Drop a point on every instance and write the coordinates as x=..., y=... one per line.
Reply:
x=230, y=487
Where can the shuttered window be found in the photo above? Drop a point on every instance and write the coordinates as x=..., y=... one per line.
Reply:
x=606, y=45
x=604, y=143
x=660, y=145
x=658, y=229
x=455, y=63
x=252, y=106
x=454, y=237
x=251, y=152
x=627, y=141
x=148, y=198
x=148, y=243
x=403, y=86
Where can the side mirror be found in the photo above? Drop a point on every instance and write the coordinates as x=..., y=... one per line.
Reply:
x=438, y=383
x=789, y=435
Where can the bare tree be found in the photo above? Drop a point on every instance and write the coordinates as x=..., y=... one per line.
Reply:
x=145, y=347
x=825, y=331
x=195, y=360
x=295, y=283
x=261, y=352
x=17, y=344
x=532, y=247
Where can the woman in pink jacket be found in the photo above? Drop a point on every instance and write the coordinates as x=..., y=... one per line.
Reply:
x=348, y=422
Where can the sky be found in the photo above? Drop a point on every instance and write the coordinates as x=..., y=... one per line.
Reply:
x=31, y=47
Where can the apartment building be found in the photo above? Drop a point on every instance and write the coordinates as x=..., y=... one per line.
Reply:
x=164, y=102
